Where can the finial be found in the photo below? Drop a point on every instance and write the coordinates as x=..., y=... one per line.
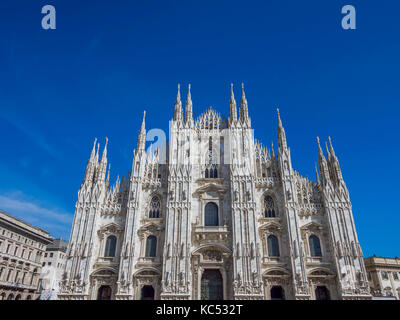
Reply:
x=142, y=127
x=330, y=144
x=279, y=118
x=178, y=95
x=144, y=119
x=104, y=156
x=243, y=94
x=93, y=149
x=319, y=148
x=327, y=149
x=316, y=172
x=189, y=94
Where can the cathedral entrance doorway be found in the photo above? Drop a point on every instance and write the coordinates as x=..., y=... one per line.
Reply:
x=211, y=285
x=147, y=293
x=104, y=293
x=322, y=293
x=277, y=293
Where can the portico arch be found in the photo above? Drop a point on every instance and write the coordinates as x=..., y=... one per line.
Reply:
x=103, y=283
x=211, y=270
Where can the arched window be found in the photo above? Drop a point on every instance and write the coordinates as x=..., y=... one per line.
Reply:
x=211, y=214
x=315, y=246
x=211, y=161
x=18, y=297
x=215, y=172
x=155, y=207
x=269, y=207
x=151, y=246
x=273, y=246
x=110, y=246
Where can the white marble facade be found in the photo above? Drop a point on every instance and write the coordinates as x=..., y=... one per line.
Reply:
x=214, y=215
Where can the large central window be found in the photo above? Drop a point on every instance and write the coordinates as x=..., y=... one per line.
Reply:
x=211, y=214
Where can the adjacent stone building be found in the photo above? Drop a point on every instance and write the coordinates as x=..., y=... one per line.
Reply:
x=22, y=248
x=52, y=271
x=384, y=276
x=214, y=215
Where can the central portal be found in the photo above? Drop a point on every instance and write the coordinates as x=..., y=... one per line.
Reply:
x=211, y=285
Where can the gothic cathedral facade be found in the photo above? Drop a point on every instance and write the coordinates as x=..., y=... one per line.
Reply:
x=214, y=215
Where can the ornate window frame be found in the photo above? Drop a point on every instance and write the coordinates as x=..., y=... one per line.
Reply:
x=150, y=229
x=111, y=229
x=275, y=229
x=309, y=229
x=150, y=206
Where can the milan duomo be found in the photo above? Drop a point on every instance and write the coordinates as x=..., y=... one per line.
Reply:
x=214, y=215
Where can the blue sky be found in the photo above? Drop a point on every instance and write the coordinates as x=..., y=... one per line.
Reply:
x=106, y=62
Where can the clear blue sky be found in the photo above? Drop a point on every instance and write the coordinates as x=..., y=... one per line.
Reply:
x=107, y=61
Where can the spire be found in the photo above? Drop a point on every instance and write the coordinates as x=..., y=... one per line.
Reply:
x=97, y=152
x=323, y=166
x=319, y=148
x=232, y=107
x=327, y=151
x=189, y=107
x=178, y=105
x=89, y=172
x=93, y=150
x=272, y=149
x=281, y=133
x=331, y=147
x=108, y=175
x=143, y=126
x=142, y=134
x=244, y=110
x=104, y=156
x=316, y=172
x=335, y=162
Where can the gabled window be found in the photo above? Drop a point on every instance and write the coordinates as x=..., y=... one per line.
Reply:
x=315, y=246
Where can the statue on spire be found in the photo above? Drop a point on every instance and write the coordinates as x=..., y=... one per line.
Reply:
x=281, y=133
x=142, y=134
x=232, y=107
x=189, y=108
x=244, y=110
x=178, y=105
